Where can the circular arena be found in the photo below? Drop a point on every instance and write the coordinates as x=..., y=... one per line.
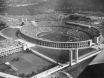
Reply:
x=51, y=34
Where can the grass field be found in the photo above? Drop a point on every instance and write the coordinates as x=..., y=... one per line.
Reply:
x=10, y=32
x=59, y=55
x=27, y=63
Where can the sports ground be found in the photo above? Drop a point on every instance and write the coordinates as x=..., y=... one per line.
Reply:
x=27, y=63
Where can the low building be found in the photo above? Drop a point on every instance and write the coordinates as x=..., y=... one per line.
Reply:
x=10, y=46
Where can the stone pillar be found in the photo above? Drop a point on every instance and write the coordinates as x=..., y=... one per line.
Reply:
x=70, y=57
x=97, y=40
x=24, y=47
x=76, y=55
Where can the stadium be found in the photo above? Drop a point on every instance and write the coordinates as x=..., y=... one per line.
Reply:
x=58, y=36
x=69, y=36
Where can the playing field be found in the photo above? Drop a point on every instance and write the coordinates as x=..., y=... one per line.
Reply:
x=27, y=63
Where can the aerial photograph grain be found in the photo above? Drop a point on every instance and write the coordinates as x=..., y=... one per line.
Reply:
x=51, y=38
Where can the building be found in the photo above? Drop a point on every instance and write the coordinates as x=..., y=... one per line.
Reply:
x=10, y=46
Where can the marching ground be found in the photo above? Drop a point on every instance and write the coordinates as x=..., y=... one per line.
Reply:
x=27, y=63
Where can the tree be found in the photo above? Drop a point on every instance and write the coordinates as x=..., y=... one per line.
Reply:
x=3, y=3
x=74, y=17
x=9, y=67
x=22, y=75
x=33, y=73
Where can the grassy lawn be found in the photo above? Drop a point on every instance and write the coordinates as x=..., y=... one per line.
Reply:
x=59, y=55
x=10, y=57
x=37, y=63
x=27, y=63
x=10, y=32
x=84, y=51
